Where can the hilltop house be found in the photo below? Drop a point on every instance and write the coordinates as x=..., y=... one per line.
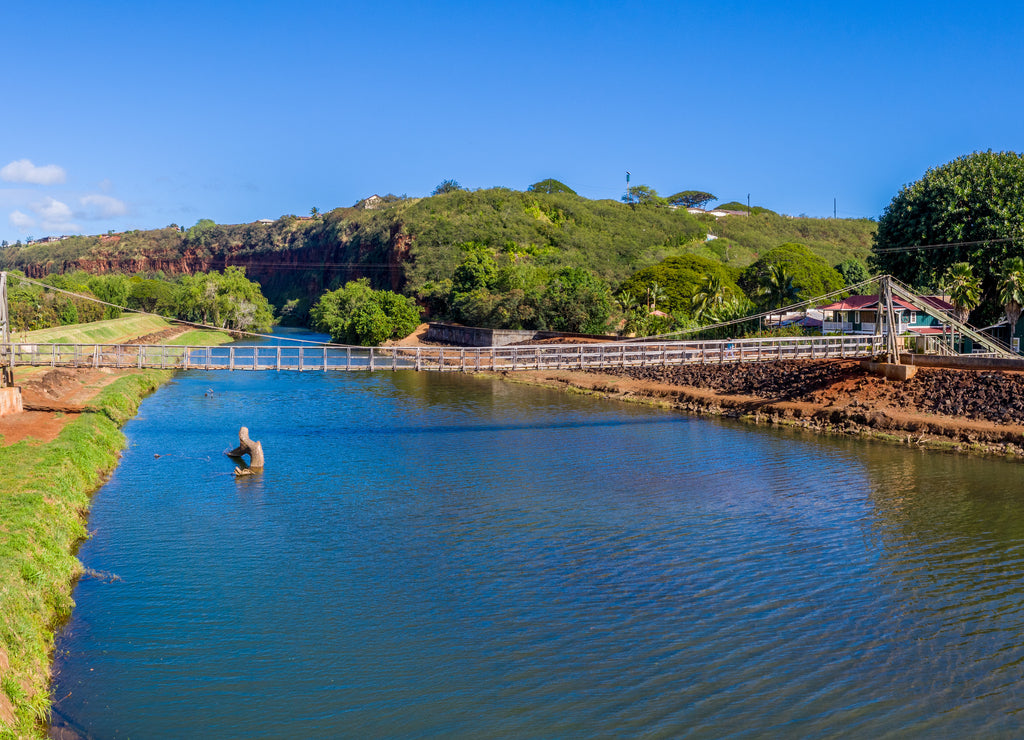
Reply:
x=858, y=314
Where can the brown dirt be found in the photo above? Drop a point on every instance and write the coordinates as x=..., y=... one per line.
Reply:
x=51, y=399
x=978, y=410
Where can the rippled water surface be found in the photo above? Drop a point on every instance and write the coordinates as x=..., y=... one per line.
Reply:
x=449, y=556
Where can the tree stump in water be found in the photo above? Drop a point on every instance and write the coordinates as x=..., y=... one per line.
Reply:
x=249, y=447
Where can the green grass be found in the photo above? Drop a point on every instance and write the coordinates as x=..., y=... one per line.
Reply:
x=201, y=338
x=42, y=517
x=110, y=331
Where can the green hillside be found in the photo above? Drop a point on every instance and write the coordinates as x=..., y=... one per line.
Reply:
x=413, y=245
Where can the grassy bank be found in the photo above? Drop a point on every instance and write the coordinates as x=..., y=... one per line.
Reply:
x=44, y=503
x=42, y=518
x=111, y=331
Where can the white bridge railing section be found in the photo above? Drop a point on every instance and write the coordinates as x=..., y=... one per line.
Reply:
x=439, y=359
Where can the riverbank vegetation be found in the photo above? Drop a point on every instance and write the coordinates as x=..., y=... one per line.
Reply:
x=42, y=518
x=225, y=299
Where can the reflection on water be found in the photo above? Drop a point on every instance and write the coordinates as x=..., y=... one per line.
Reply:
x=451, y=556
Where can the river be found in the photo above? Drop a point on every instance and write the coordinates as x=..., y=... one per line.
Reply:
x=449, y=556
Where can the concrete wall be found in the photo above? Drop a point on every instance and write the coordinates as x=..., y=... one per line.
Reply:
x=963, y=363
x=474, y=336
x=10, y=401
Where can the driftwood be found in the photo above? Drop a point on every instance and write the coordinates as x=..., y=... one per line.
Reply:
x=249, y=447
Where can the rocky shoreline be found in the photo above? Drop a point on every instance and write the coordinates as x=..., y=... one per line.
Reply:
x=965, y=410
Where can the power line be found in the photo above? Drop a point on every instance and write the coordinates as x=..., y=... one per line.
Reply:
x=916, y=247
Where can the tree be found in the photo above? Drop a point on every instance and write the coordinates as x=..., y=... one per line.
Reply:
x=679, y=279
x=447, y=186
x=964, y=289
x=1011, y=291
x=691, y=199
x=812, y=274
x=853, y=271
x=228, y=300
x=477, y=270
x=642, y=195
x=550, y=187
x=712, y=295
x=358, y=314
x=576, y=300
x=776, y=286
x=973, y=203
x=314, y=212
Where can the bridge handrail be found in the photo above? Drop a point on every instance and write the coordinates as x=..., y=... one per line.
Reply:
x=510, y=357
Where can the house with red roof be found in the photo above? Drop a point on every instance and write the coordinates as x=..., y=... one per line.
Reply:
x=858, y=314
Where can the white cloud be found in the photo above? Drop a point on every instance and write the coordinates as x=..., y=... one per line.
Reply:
x=21, y=221
x=56, y=216
x=102, y=206
x=22, y=170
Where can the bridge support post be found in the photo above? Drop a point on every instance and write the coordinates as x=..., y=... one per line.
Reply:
x=7, y=352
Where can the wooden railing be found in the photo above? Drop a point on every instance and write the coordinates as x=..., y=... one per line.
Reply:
x=439, y=359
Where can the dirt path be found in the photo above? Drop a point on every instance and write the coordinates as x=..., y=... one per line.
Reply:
x=52, y=399
x=54, y=396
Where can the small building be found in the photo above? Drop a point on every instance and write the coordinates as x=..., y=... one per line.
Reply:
x=264, y=221
x=1000, y=331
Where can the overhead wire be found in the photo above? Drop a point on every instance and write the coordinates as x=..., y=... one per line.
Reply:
x=200, y=325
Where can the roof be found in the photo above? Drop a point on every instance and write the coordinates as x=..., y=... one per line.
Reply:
x=862, y=302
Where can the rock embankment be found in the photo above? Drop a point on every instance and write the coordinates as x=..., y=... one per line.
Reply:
x=992, y=396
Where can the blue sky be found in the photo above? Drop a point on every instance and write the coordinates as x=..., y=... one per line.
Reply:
x=122, y=115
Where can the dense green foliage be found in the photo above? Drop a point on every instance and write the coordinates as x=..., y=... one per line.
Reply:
x=504, y=290
x=691, y=199
x=644, y=196
x=447, y=186
x=974, y=203
x=680, y=279
x=358, y=314
x=853, y=271
x=743, y=239
x=550, y=187
x=227, y=300
x=811, y=275
x=735, y=205
x=415, y=245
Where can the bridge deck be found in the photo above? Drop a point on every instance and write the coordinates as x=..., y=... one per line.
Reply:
x=438, y=359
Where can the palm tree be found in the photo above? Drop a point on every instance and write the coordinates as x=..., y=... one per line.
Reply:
x=710, y=295
x=627, y=301
x=655, y=293
x=1011, y=291
x=777, y=286
x=964, y=289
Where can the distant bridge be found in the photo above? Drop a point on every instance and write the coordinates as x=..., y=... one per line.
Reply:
x=513, y=358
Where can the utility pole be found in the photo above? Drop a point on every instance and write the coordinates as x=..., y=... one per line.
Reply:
x=748, y=204
x=833, y=208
